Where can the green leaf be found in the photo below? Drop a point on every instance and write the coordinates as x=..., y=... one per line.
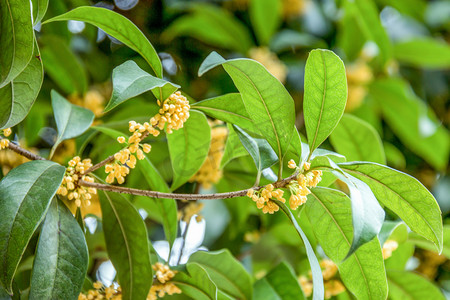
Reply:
x=224, y=271
x=423, y=52
x=265, y=16
x=61, y=258
x=363, y=272
x=263, y=156
x=393, y=230
x=318, y=288
x=357, y=140
x=262, y=290
x=18, y=96
x=71, y=120
x=228, y=108
x=196, y=283
x=400, y=257
x=212, y=25
x=39, y=10
x=404, y=195
x=283, y=281
x=16, y=40
x=412, y=121
x=407, y=285
x=367, y=17
x=266, y=100
x=289, y=40
x=112, y=133
x=167, y=207
x=188, y=148
x=367, y=214
x=25, y=195
x=62, y=65
x=325, y=95
x=127, y=245
x=117, y=26
x=233, y=147
x=425, y=244
x=130, y=81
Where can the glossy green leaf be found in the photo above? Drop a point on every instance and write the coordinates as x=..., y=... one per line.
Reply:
x=196, y=283
x=266, y=100
x=263, y=156
x=283, y=281
x=357, y=140
x=367, y=18
x=414, y=123
x=62, y=65
x=404, y=195
x=212, y=25
x=265, y=16
x=61, y=258
x=424, y=52
x=226, y=272
x=188, y=148
x=318, y=288
x=233, y=147
x=16, y=40
x=114, y=134
x=325, y=95
x=167, y=207
x=130, y=81
x=367, y=214
x=408, y=285
x=400, y=257
x=71, y=120
x=228, y=108
x=425, y=244
x=39, y=10
x=25, y=195
x=363, y=272
x=262, y=290
x=18, y=96
x=117, y=26
x=127, y=245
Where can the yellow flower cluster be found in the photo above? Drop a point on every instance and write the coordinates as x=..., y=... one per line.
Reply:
x=70, y=188
x=92, y=100
x=263, y=198
x=102, y=292
x=359, y=75
x=190, y=210
x=125, y=159
x=163, y=285
x=269, y=60
x=294, y=8
x=299, y=188
x=210, y=172
x=332, y=286
x=5, y=142
x=429, y=263
x=388, y=247
x=174, y=111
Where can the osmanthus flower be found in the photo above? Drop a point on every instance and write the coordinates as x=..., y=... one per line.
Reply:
x=174, y=111
x=333, y=286
x=161, y=284
x=5, y=142
x=388, y=247
x=359, y=75
x=264, y=196
x=210, y=172
x=102, y=292
x=190, y=210
x=300, y=188
x=126, y=158
x=70, y=187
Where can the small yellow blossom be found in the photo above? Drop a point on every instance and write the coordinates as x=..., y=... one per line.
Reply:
x=7, y=132
x=359, y=75
x=292, y=164
x=70, y=187
x=300, y=188
x=162, y=286
x=121, y=139
x=269, y=60
x=4, y=143
x=210, y=172
x=174, y=111
x=388, y=247
x=193, y=208
x=306, y=284
x=264, y=196
x=332, y=286
x=329, y=269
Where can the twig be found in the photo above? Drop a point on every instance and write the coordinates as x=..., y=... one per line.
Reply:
x=19, y=150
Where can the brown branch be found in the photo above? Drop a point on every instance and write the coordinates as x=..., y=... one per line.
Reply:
x=110, y=158
x=154, y=194
x=19, y=150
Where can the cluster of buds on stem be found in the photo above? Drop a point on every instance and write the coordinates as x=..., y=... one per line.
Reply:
x=126, y=158
x=102, y=292
x=174, y=111
x=300, y=188
x=264, y=197
x=162, y=285
x=70, y=187
x=5, y=142
x=190, y=210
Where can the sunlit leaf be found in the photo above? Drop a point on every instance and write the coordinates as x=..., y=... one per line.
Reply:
x=196, y=283
x=284, y=283
x=265, y=16
x=408, y=285
x=425, y=52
